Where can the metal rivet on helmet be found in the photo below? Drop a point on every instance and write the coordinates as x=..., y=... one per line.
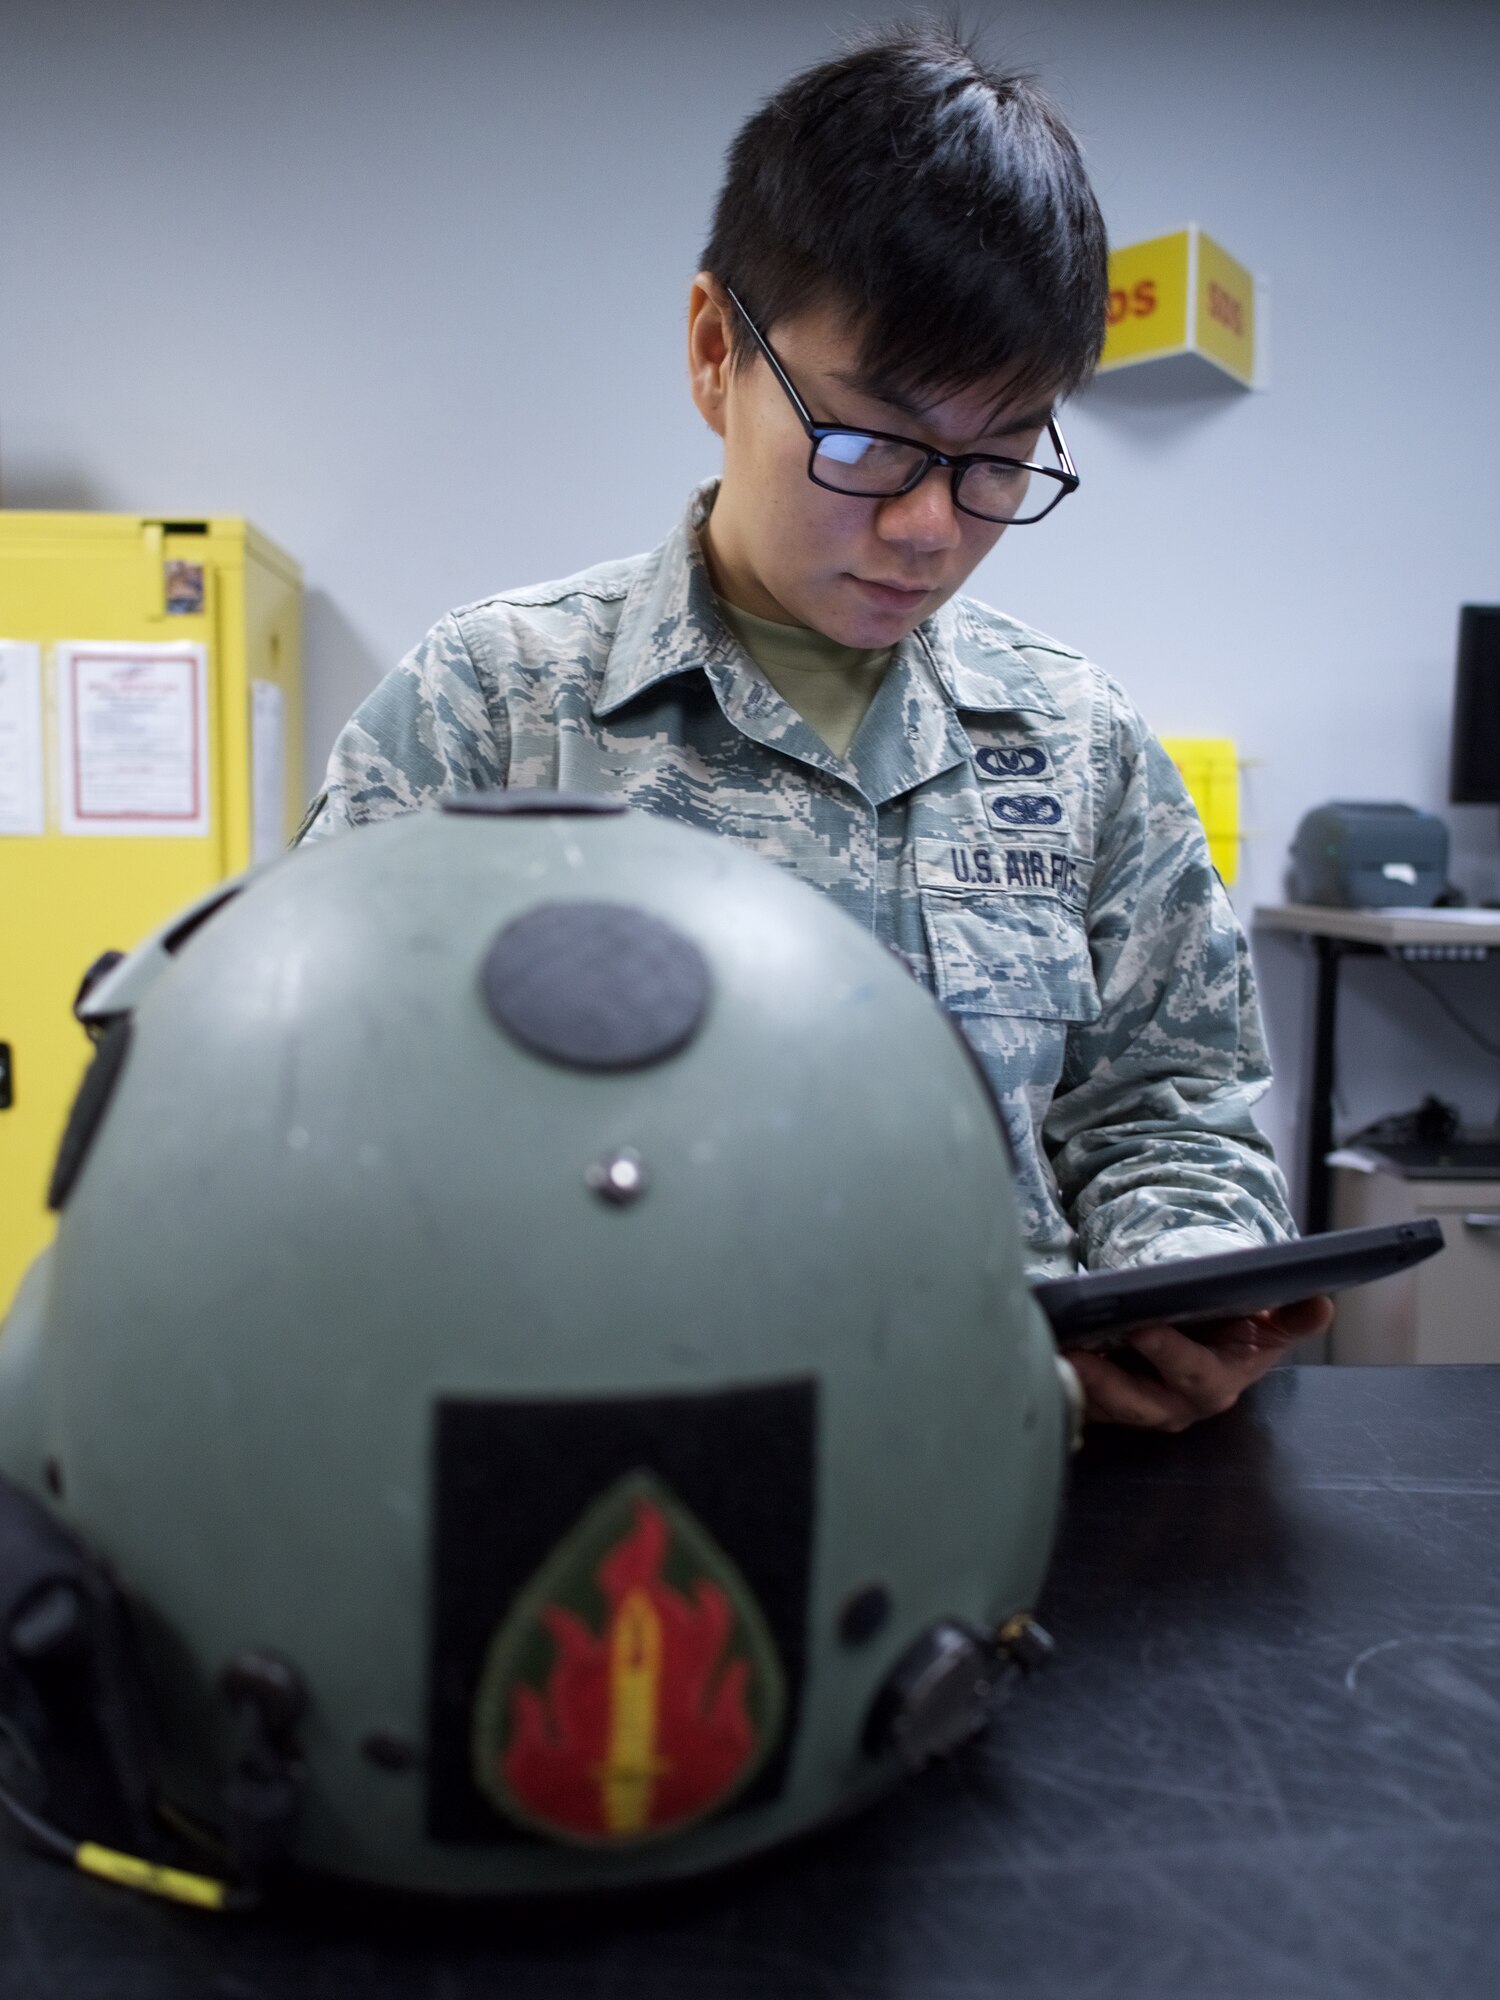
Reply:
x=619, y=1178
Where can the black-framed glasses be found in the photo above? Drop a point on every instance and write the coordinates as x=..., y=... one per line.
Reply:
x=876, y=465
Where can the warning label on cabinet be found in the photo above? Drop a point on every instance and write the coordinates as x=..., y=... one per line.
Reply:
x=133, y=739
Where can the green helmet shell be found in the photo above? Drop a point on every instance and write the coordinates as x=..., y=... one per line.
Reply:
x=551, y=1278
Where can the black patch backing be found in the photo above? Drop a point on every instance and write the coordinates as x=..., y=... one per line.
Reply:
x=512, y=1478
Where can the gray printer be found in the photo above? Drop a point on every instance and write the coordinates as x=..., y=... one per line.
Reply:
x=1358, y=855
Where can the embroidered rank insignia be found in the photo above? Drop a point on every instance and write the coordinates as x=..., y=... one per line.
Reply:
x=634, y=1688
x=1022, y=760
x=1026, y=809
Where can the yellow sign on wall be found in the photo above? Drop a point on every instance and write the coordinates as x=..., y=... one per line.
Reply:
x=1211, y=771
x=1181, y=294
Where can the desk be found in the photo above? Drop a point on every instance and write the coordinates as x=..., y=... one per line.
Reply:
x=1265, y=1766
x=1335, y=934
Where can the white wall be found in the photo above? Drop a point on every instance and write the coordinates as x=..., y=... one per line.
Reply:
x=403, y=281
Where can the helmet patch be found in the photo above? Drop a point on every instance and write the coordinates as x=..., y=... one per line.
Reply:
x=634, y=1688
x=618, y=1631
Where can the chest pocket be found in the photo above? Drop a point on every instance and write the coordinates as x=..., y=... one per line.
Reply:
x=999, y=955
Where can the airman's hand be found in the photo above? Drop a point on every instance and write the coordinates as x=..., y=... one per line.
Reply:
x=1191, y=1379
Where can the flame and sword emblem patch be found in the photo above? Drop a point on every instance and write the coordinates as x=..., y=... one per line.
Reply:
x=617, y=1610
x=634, y=1687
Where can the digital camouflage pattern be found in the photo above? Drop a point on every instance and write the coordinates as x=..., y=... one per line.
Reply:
x=1004, y=821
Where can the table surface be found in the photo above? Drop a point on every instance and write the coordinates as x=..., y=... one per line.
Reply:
x=1377, y=927
x=1265, y=1766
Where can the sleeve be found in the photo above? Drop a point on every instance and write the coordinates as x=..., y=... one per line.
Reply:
x=1150, y=1132
x=427, y=732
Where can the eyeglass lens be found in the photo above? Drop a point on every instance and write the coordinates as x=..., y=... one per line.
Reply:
x=850, y=462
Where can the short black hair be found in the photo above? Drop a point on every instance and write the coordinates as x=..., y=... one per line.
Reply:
x=943, y=203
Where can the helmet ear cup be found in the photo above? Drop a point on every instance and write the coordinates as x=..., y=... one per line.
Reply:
x=938, y=1696
x=80, y=1755
x=89, y=1107
x=71, y=1689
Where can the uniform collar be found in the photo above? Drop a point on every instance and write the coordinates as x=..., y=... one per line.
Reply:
x=979, y=669
x=956, y=659
x=670, y=623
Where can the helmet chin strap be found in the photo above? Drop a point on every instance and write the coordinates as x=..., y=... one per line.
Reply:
x=76, y=1731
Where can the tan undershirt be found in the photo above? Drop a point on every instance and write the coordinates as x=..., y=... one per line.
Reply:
x=829, y=685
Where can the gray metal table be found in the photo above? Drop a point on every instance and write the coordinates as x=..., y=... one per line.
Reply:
x=1334, y=935
x=1266, y=1766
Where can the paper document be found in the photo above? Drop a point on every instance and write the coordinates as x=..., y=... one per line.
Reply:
x=22, y=802
x=267, y=770
x=133, y=738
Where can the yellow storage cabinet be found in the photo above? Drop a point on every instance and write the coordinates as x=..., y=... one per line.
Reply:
x=223, y=605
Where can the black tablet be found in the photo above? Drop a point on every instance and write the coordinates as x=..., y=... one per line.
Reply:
x=1098, y=1308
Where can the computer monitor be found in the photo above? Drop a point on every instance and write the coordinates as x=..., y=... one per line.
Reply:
x=1474, y=769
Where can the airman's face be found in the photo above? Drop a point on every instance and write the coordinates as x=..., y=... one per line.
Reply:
x=862, y=571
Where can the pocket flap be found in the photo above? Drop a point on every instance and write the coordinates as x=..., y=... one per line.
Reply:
x=993, y=955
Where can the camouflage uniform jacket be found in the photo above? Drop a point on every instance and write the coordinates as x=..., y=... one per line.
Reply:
x=1003, y=819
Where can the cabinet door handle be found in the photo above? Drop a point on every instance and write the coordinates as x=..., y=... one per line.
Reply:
x=1478, y=1219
